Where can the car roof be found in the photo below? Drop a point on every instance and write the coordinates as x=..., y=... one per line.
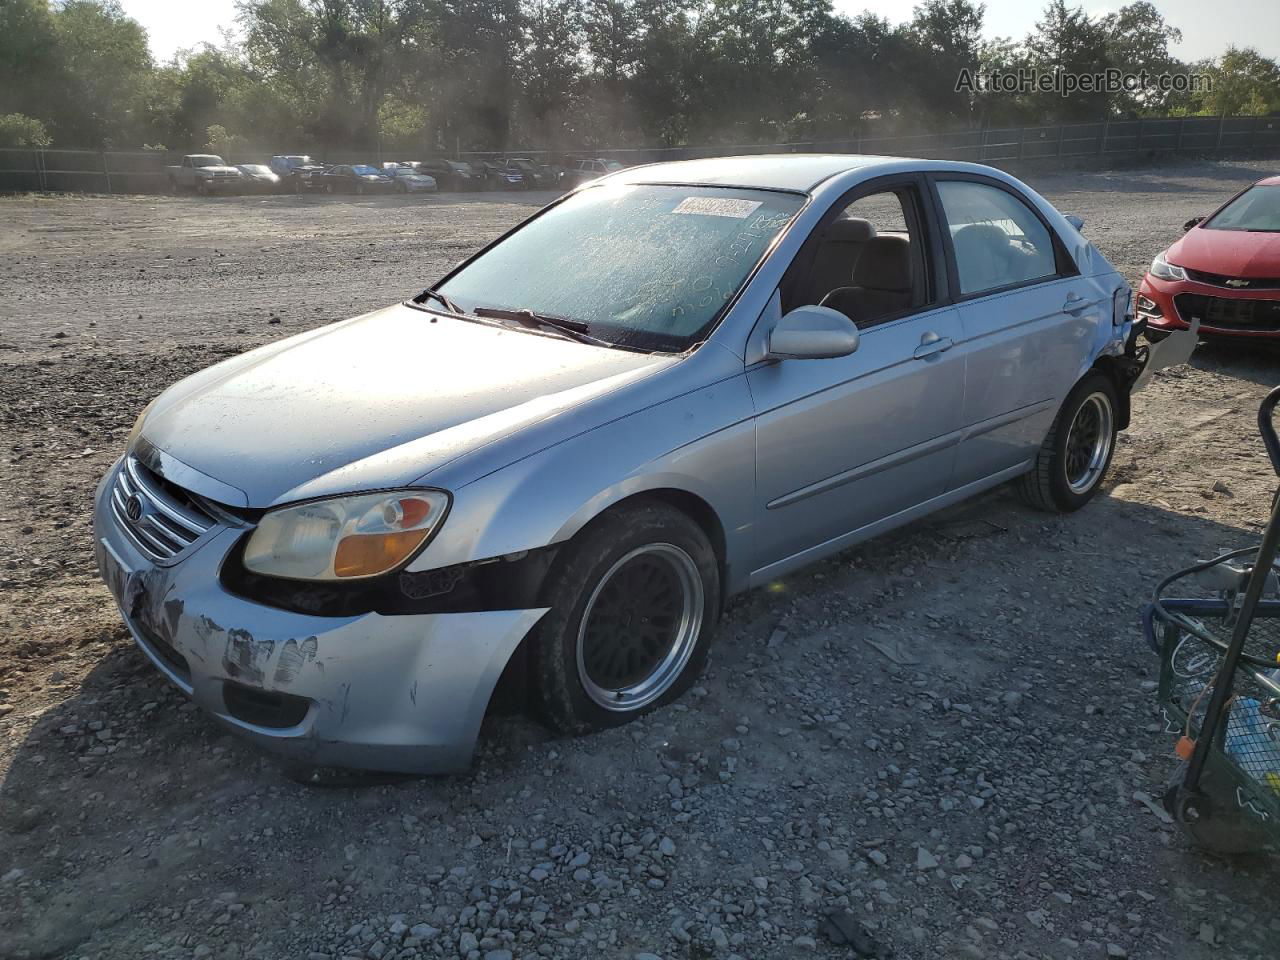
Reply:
x=800, y=172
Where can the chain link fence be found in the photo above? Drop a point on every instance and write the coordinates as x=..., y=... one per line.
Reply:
x=144, y=171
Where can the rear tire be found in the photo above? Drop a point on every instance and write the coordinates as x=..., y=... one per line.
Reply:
x=634, y=602
x=1074, y=458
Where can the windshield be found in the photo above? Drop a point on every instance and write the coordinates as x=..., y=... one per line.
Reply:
x=364, y=170
x=253, y=168
x=301, y=161
x=648, y=267
x=207, y=162
x=460, y=167
x=612, y=165
x=1256, y=210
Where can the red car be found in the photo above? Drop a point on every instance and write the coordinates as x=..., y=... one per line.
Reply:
x=1225, y=270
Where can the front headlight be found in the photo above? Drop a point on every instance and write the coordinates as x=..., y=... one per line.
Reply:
x=1162, y=269
x=345, y=538
x=137, y=426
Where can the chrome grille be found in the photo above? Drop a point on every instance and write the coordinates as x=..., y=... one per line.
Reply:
x=162, y=520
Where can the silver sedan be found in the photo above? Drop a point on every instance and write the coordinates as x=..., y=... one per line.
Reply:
x=552, y=467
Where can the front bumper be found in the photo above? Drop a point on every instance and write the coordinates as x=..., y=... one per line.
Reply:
x=1223, y=312
x=395, y=693
x=305, y=181
x=213, y=184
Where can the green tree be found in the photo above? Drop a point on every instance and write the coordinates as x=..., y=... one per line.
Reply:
x=667, y=78
x=1067, y=40
x=945, y=38
x=1243, y=82
x=103, y=67
x=550, y=64
x=28, y=56
x=337, y=59
x=18, y=130
x=1138, y=39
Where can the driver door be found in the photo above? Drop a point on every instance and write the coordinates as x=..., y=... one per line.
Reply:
x=845, y=446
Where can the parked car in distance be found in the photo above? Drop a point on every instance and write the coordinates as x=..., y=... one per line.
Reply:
x=584, y=171
x=500, y=175
x=298, y=172
x=359, y=178
x=453, y=174
x=552, y=175
x=204, y=173
x=257, y=178
x=533, y=176
x=571, y=452
x=1223, y=271
x=410, y=179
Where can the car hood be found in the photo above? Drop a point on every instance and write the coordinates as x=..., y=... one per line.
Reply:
x=1232, y=253
x=329, y=411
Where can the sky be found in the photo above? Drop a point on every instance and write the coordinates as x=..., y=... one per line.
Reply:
x=1208, y=26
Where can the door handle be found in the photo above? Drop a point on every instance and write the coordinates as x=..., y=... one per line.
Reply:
x=931, y=344
x=1075, y=304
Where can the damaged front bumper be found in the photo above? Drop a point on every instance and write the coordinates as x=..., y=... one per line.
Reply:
x=402, y=693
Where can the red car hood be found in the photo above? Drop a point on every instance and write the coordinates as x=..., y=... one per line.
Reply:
x=1231, y=253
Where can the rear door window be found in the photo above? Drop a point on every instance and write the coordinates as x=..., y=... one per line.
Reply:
x=998, y=240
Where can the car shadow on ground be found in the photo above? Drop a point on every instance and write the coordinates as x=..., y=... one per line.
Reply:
x=124, y=786
x=1257, y=361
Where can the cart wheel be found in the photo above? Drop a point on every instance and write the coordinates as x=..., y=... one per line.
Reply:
x=1226, y=830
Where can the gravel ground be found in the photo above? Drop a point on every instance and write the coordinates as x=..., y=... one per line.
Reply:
x=948, y=732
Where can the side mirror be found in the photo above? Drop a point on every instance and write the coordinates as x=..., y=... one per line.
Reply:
x=1077, y=222
x=812, y=333
x=1194, y=221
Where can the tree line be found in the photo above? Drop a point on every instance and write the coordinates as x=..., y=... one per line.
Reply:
x=566, y=75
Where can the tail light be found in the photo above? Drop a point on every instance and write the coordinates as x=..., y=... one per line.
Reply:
x=1122, y=306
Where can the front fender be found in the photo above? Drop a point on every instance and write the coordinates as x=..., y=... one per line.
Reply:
x=701, y=443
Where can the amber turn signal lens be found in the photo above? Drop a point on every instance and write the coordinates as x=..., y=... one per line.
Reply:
x=366, y=554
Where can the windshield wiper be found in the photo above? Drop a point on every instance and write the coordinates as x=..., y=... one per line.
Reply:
x=440, y=298
x=571, y=329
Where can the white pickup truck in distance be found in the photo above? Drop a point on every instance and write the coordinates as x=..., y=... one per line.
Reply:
x=204, y=173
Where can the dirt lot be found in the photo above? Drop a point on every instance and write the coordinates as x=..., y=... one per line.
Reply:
x=985, y=799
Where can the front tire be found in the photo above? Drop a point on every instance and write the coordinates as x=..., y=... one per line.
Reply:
x=1074, y=458
x=634, y=602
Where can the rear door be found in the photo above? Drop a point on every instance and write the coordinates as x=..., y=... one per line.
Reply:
x=846, y=442
x=1026, y=315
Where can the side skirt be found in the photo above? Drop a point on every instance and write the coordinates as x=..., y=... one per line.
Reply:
x=762, y=576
